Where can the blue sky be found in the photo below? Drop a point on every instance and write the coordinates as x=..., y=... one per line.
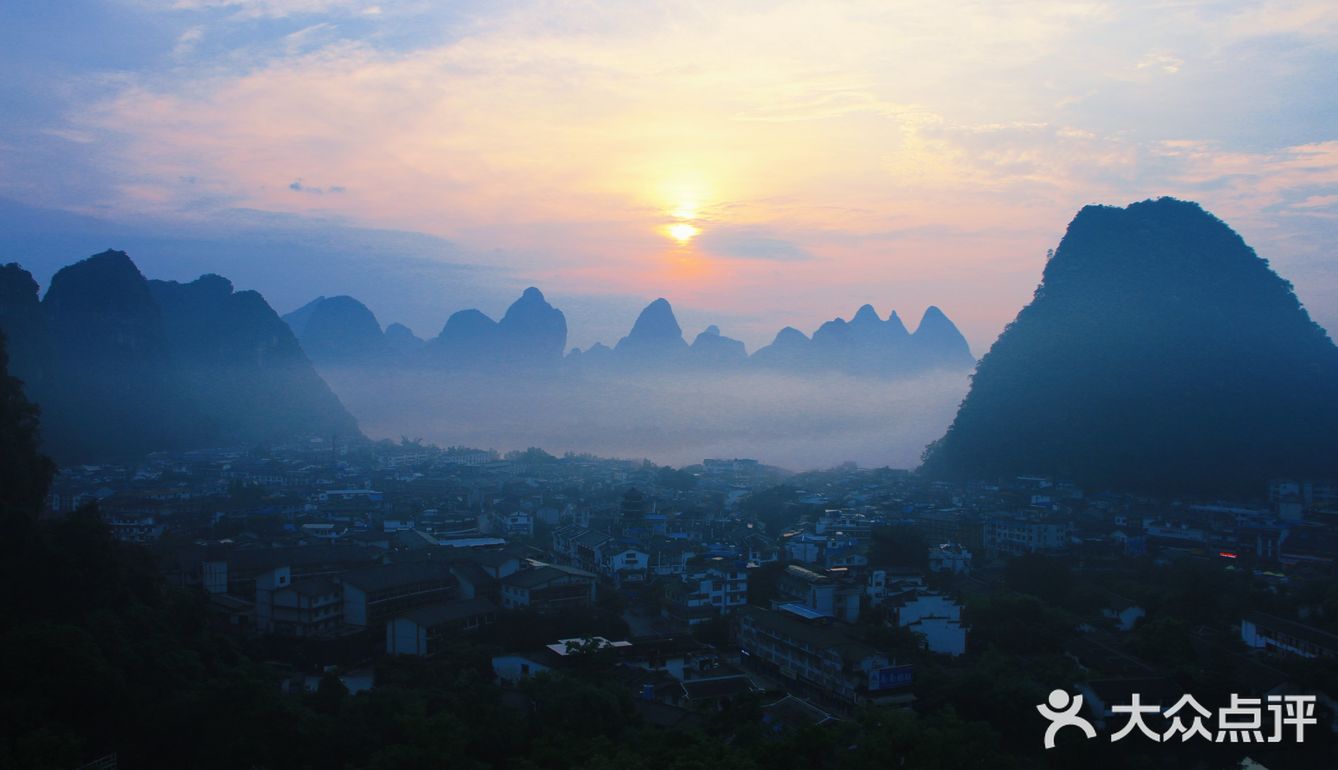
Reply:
x=432, y=156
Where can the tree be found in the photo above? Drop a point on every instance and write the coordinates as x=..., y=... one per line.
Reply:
x=25, y=474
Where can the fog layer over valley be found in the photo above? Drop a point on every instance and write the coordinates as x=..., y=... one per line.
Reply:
x=793, y=421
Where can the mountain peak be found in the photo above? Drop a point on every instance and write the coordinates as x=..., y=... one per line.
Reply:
x=1159, y=354
x=338, y=329
x=532, y=331
x=712, y=348
x=896, y=326
x=933, y=317
x=866, y=315
x=657, y=321
x=656, y=333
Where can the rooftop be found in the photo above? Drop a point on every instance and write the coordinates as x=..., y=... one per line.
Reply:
x=449, y=612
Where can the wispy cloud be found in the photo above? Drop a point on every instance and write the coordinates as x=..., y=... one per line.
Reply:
x=560, y=143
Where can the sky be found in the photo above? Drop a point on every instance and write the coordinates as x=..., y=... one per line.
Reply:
x=759, y=164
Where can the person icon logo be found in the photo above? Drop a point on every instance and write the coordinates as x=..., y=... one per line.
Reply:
x=1062, y=711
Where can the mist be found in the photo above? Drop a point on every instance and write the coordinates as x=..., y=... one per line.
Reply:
x=791, y=421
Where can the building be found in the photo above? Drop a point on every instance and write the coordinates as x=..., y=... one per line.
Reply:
x=514, y=524
x=949, y=557
x=235, y=570
x=374, y=595
x=423, y=630
x=821, y=592
x=1015, y=534
x=516, y=667
x=133, y=527
x=934, y=617
x=625, y=565
x=582, y=548
x=305, y=608
x=709, y=587
x=1287, y=637
x=548, y=588
x=819, y=660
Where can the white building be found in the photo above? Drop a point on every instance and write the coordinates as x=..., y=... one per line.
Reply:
x=626, y=565
x=710, y=586
x=936, y=618
x=949, y=557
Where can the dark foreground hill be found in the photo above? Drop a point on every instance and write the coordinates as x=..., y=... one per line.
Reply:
x=1160, y=353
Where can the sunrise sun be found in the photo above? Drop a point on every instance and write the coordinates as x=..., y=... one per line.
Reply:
x=682, y=231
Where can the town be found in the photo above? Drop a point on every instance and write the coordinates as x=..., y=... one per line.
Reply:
x=811, y=595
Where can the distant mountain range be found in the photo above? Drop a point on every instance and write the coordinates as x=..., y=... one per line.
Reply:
x=121, y=365
x=532, y=335
x=1160, y=354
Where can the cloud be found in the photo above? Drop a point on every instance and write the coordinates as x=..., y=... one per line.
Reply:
x=274, y=9
x=1166, y=62
x=298, y=185
x=751, y=245
x=187, y=41
x=558, y=144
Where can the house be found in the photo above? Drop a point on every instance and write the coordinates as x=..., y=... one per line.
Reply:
x=304, y=608
x=670, y=559
x=710, y=586
x=625, y=565
x=681, y=657
x=713, y=692
x=949, y=557
x=234, y=570
x=496, y=563
x=516, y=667
x=514, y=524
x=1015, y=534
x=819, y=660
x=374, y=595
x=823, y=592
x=1287, y=637
x=548, y=588
x=133, y=527
x=935, y=617
x=423, y=630
x=582, y=548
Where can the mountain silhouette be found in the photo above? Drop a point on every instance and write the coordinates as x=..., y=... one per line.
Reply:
x=936, y=343
x=790, y=350
x=714, y=350
x=868, y=345
x=1159, y=354
x=243, y=365
x=469, y=339
x=656, y=337
x=339, y=330
x=532, y=334
x=403, y=341
x=117, y=391
x=121, y=365
x=31, y=353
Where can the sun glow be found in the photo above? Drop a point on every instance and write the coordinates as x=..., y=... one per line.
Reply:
x=682, y=231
